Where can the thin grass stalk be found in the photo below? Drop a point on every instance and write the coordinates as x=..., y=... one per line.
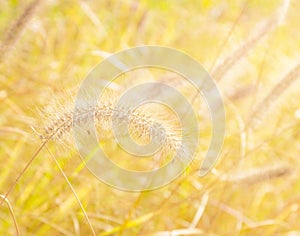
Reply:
x=12, y=214
x=73, y=191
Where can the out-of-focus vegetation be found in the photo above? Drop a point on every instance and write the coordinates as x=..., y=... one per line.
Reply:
x=49, y=46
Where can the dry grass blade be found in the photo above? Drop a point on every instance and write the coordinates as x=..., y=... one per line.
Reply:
x=130, y=224
x=178, y=232
x=200, y=210
x=241, y=218
x=45, y=221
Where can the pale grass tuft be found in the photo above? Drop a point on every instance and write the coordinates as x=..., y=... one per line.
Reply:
x=256, y=176
x=14, y=32
x=263, y=29
x=143, y=126
x=270, y=100
x=219, y=72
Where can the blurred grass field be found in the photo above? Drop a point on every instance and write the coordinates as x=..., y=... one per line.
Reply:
x=251, y=48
